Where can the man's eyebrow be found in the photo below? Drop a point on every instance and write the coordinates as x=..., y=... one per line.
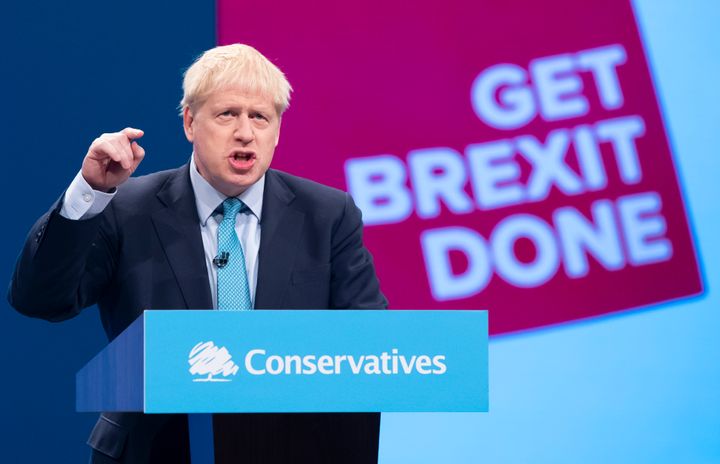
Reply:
x=263, y=107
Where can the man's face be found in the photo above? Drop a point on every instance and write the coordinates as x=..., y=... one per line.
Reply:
x=234, y=135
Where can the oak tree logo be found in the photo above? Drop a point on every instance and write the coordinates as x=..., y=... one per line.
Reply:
x=207, y=359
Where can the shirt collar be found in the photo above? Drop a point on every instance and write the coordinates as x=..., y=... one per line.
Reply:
x=207, y=198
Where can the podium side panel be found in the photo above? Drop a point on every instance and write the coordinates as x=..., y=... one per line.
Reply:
x=114, y=379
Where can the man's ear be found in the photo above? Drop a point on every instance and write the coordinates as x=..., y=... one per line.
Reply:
x=277, y=136
x=187, y=124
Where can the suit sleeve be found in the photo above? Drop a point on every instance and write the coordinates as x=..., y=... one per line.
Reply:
x=64, y=266
x=354, y=283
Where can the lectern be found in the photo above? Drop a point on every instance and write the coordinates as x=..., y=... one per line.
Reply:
x=203, y=362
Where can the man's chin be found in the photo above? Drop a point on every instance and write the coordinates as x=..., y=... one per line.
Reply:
x=237, y=184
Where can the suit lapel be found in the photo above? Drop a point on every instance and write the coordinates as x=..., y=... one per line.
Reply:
x=280, y=228
x=178, y=228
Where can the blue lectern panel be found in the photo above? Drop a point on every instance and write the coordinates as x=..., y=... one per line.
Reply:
x=295, y=361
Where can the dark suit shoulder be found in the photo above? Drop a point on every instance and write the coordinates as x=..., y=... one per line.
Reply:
x=149, y=184
x=311, y=192
x=144, y=194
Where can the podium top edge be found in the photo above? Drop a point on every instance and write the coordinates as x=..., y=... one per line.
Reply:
x=327, y=311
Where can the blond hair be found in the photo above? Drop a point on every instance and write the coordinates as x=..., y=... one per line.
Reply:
x=235, y=65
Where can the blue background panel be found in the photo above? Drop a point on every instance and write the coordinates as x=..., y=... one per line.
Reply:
x=72, y=70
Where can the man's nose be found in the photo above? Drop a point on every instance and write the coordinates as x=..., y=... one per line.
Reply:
x=243, y=129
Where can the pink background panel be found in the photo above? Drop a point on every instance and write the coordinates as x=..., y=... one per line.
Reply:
x=389, y=77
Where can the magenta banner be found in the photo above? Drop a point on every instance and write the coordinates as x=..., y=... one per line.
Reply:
x=507, y=155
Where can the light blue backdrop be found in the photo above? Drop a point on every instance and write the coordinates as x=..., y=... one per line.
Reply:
x=642, y=387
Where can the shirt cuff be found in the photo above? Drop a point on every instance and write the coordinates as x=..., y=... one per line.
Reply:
x=82, y=202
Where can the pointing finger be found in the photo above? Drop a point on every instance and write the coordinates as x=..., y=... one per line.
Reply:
x=132, y=133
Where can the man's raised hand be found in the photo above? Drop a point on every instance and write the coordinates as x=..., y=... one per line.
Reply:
x=112, y=158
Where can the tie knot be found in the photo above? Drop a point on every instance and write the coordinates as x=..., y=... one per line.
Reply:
x=231, y=206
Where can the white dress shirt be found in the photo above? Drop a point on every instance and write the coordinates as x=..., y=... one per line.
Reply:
x=82, y=202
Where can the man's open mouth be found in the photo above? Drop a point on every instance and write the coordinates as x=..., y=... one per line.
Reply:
x=243, y=156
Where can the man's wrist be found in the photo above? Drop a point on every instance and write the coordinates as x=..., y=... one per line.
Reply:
x=82, y=201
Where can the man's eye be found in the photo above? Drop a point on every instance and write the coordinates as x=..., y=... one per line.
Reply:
x=227, y=113
x=259, y=116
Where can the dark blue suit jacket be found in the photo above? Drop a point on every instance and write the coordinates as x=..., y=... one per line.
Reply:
x=145, y=251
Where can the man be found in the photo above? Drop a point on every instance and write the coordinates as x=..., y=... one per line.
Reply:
x=130, y=244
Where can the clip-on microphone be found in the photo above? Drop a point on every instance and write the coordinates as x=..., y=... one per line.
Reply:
x=221, y=259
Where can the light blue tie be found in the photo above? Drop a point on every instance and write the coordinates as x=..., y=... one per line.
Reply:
x=232, y=280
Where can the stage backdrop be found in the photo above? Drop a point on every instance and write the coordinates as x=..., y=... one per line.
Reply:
x=548, y=161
